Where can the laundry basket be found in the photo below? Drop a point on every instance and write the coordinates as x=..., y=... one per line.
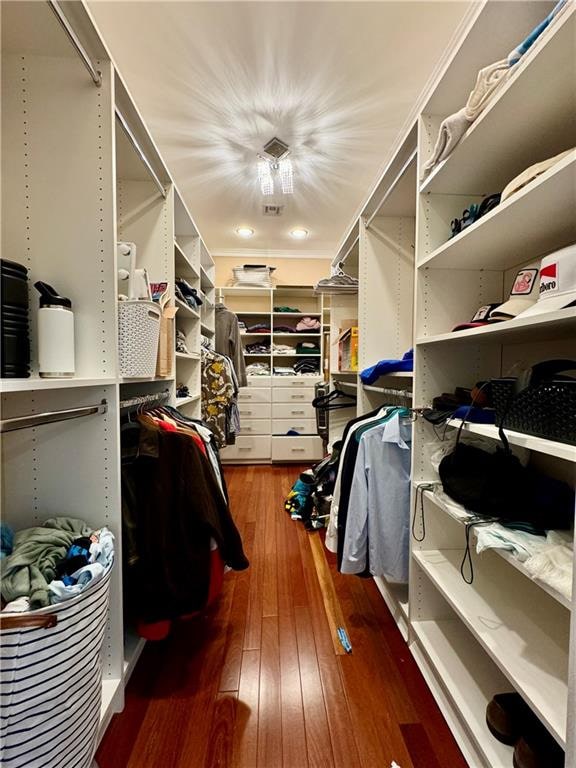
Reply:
x=51, y=681
x=138, y=334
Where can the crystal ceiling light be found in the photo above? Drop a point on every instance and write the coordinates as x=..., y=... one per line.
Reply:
x=265, y=178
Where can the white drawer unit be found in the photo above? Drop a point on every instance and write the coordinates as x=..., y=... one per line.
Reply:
x=255, y=410
x=255, y=426
x=254, y=395
x=297, y=448
x=288, y=395
x=304, y=426
x=295, y=381
x=294, y=410
x=258, y=381
x=248, y=448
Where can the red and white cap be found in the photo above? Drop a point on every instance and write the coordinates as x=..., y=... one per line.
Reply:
x=523, y=295
x=557, y=282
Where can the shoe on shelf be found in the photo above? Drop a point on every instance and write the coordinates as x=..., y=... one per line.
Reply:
x=538, y=749
x=508, y=717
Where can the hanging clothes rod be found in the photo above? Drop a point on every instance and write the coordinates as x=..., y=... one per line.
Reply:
x=350, y=384
x=386, y=391
x=50, y=417
x=95, y=74
x=140, y=152
x=138, y=401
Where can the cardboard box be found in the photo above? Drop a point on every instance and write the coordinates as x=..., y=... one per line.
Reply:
x=348, y=349
x=166, y=343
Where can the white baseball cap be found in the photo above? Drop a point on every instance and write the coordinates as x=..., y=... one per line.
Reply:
x=523, y=295
x=557, y=282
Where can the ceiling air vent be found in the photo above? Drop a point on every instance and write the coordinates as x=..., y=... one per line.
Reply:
x=276, y=148
x=272, y=210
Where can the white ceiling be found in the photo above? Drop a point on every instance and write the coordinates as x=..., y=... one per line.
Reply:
x=216, y=80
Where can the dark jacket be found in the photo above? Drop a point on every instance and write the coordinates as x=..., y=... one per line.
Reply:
x=172, y=508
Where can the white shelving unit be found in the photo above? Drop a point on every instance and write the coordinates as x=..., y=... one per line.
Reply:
x=504, y=631
x=271, y=405
x=115, y=187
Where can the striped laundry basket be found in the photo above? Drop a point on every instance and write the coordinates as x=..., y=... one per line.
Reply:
x=51, y=681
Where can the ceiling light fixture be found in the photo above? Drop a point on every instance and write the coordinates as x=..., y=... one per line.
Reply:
x=244, y=232
x=299, y=234
x=275, y=162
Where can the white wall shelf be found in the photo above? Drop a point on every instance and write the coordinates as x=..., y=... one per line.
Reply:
x=527, y=223
x=205, y=279
x=184, y=266
x=185, y=310
x=528, y=644
x=504, y=132
x=187, y=400
x=549, y=447
x=509, y=557
x=206, y=330
x=190, y=356
x=469, y=679
x=34, y=383
x=552, y=325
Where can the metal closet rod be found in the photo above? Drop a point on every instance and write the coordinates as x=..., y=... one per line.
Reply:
x=139, y=400
x=140, y=152
x=50, y=417
x=95, y=74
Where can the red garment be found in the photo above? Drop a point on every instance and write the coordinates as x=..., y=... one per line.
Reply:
x=165, y=425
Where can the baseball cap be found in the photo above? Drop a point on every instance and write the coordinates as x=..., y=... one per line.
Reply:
x=523, y=295
x=557, y=282
x=483, y=316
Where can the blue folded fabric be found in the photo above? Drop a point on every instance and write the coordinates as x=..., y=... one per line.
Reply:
x=475, y=415
x=370, y=374
x=515, y=55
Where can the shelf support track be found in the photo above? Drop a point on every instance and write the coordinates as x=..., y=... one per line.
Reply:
x=140, y=152
x=51, y=417
x=95, y=74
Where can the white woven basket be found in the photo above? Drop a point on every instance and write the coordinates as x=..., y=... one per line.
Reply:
x=138, y=334
x=259, y=277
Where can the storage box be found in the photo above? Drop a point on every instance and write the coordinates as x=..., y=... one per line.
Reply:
x=348, y=349
x=166, y=342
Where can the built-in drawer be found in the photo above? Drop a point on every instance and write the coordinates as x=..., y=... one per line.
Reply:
x=294, y=410
x=248, y=448
x=295, y=381
x=255, y=426
x=287, y=395
x=304, y=426
x=297, y=448
x=250, y=410
x=258, y=381
x=254, y=395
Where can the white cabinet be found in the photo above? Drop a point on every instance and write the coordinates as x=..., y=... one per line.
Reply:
x=294, y=410
x=248, y=449
x=292, y=395
x=301, y=425
x=307, y=448
x=255, y=426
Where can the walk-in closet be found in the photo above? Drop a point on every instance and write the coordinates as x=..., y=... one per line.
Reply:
x=288, y=384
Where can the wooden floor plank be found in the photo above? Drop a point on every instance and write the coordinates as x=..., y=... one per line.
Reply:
x=257, y=683
x=270, y=715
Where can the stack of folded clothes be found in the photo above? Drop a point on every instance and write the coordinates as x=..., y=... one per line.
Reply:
x=308, y=325
x=280, y=370
x=283, y=329
x=258, y=369
x=186, y=293
x=308, y=348
x=242, y=326
x=258, y=348
x=283, y=349
x=286, y=309
x=259, y=328
x=307, y=365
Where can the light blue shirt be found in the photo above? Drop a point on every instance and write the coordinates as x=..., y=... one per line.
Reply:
x=378, y=522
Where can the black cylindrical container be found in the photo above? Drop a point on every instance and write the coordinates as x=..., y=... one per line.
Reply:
x=14, y=324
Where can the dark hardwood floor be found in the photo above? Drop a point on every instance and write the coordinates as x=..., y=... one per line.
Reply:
x=256, y=682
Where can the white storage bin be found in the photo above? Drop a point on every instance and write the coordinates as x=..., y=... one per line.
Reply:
x=138, y=335
x=261, y=277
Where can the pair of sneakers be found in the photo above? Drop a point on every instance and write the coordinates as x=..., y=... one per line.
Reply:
x=511, y=721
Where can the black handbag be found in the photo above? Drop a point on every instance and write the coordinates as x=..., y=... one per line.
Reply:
x=497, y=486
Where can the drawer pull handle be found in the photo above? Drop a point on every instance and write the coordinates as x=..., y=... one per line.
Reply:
x=295, y=450
x=246, y=397
x=245, y=413
x=246, y=429
x=297, y=397
x=297, y=413
x=244, y=449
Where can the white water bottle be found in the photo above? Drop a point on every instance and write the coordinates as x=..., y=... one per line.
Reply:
x=55, y=334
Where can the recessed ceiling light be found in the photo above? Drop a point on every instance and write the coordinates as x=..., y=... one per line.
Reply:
x=299, y=234
x=244, y=232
